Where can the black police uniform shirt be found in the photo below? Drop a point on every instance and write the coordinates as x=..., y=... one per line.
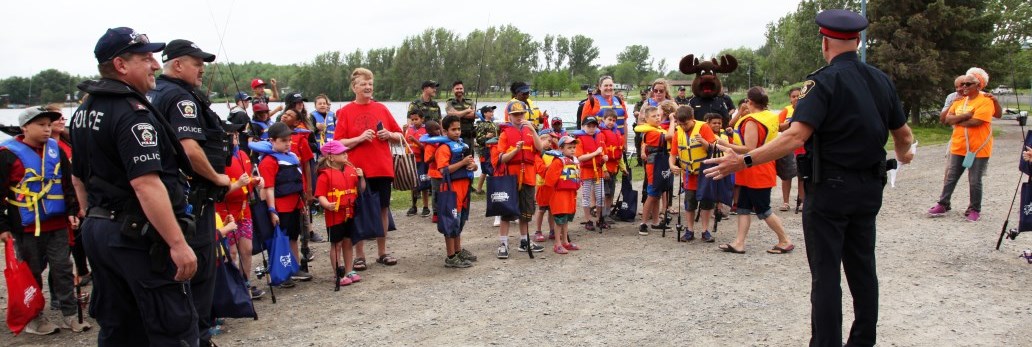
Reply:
x=190, y=118
x=851, y=106
x=117, y=137
x=720, y=104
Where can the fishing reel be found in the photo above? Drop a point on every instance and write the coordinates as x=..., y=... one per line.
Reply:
x=260, y=271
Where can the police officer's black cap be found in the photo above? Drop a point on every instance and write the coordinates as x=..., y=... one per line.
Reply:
x=279, y=130
x=430, y=83
x=121, y=40
x=178, y=48
x=294, y=98
x=486, y=109
x=841, y=24
x=231, y=127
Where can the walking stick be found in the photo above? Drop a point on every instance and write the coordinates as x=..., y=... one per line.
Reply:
x=680, y=201
x=519, y=187
x=601, y=191
x=263, y=272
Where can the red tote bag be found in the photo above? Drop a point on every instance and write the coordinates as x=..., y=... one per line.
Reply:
x=25, y=299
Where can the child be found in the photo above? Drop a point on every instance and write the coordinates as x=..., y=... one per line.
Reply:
x=615, y=143
x=235, y=207
x=455, y=159
x=544, y=192
x=716, y=122
x=519, y=147
x=652, y=135
x=562, y=176
x=557, y=131
x=300, y=144
x=325, y=121
x=589, y=152
x=433, y=129
x=414, y=131
x=486, y=130
x=281, y=171
x=692, y=139
x=336, y=188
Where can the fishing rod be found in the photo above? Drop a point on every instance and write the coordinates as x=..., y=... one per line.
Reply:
x=483, y=52
x=222, y=45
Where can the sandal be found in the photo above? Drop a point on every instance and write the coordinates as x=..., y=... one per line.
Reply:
x=387, y=259
x=359, y=265
x=781, y=250
x=784, y=207
x=727, y=247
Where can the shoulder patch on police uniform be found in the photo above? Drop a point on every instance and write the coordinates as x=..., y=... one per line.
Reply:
x=807, y=86
x=187, y=108
x=145, y=135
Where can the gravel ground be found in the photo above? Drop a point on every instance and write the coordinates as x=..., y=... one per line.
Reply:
x=941, y=284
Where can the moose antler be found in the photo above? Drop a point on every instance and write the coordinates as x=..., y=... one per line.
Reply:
x=689, y=64
x=728, y=63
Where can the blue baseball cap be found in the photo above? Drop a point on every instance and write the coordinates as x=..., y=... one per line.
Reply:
x=241, y=96
x=122, y=40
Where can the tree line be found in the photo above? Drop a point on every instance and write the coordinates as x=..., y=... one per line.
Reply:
x=921, y=44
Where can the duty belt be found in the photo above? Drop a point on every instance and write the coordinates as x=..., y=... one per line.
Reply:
x=104, y=213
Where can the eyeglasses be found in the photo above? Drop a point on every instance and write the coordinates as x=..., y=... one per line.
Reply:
x=139, y=39
x=967, y=84
x=659, y=90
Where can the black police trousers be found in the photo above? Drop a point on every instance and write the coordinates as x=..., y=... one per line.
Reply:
x=203, y=283
x=133, y=305
x=839, y=216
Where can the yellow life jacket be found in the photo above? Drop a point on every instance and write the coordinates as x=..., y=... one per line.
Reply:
x=690, y=153
x=768, y=119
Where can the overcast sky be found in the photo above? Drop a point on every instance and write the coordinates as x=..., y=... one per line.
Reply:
x=61, y=34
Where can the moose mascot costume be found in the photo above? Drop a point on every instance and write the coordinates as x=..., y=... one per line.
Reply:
x=708, y=94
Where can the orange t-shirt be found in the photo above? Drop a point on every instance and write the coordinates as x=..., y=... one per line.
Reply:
x=428, y=157
x=561, y=201
x=979, y=136
x=762, y=175
x=442, y=157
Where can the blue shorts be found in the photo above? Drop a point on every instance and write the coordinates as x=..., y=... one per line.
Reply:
x=653, y=191
x=486, y=168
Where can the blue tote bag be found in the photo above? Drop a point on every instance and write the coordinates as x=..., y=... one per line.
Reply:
x=282, y=262
x=232, y=297
x=447, y=210
x=368, y=224
x=502, y=193
x=714, y=190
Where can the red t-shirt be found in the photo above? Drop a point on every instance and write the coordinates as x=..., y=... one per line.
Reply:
x=374, y=157
x=340, y=188
x=268, y=168
x=235, y=202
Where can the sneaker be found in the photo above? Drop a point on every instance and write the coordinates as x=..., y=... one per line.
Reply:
x=660, y=226
x=289, y=283
x=465, y=254
x=503, y=252
x=456, y=262
x=707, y=237
x=411, y=211
x=973, y=216
x=643, y=229
x=938, y=210
x=72, y=323
x=355, y=278
x=345, y=281
x=40, y=326
x=551, y=234
x=317, y=238
x=589, y=226
x=533, y=246
x=539, y=237
x=571, y=246
x=497, y=221
x=425, y=213
x=256, y=293
x=559, y=249
x=301, y=276
x=309, y=257
x=215, y=330
x=688, y=236
x=603, y=225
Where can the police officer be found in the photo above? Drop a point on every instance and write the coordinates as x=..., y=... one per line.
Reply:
x=426, y=104
x=845, y=111
x=126, y=164
x=199, y=130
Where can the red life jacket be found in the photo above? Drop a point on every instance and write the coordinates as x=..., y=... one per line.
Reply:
x=590, y=143
x=569, y=178
x=514, y=134
x=613, y=142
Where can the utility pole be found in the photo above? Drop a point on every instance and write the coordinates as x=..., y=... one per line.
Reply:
x=863, y=34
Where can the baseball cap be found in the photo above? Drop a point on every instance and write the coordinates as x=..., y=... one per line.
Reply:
x=515, y=106
x=429, y=83
x=333, y=147
x=231, y=127
x=488, y=109
x=257, y=82
x=29, y=114
x=178, y=48
x=590, y=120
x=278, y=130
x=556, y=120
x=293, y=98
x=260, y=107
x=567, y=140
x=122, y=40
x=523, y=89
x=240, y=96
